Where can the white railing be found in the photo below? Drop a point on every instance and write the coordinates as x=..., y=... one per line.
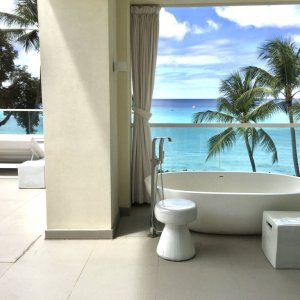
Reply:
x=21, y=109
x=226, y=125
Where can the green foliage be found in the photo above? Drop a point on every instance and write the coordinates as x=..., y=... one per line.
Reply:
x=221, y=141
x=21, y=94
x=283, y=68
x=24, y=24
x=23, y=88
x=268, y=145
x=282, y=77
x=7, y=56
x=18, y=89
x=242, y=101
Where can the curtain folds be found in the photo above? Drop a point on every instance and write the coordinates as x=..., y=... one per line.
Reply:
x=144, y=29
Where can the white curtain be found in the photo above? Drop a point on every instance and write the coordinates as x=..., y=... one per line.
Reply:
x=144, y=29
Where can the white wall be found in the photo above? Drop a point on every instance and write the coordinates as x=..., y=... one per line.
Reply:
x=78, y=94
x=113, y=112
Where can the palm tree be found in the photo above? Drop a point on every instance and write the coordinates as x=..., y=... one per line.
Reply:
x=283, y=77
x=24, y=29
x=241, y=102
x=23, y=24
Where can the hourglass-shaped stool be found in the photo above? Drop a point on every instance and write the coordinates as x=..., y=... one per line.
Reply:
x=175, y=242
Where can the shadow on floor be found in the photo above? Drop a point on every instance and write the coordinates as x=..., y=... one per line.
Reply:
x=137, y=224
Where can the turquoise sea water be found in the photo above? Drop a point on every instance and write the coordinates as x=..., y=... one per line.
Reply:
x=188, y=150
x=12, y=126
x=181, y=110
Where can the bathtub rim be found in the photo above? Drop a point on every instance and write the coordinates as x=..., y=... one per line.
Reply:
x=148, y=178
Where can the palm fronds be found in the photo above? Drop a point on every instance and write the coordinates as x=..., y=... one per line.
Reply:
x=242, y=101
x=263, y=111
x=267, y=144
x=23, y=24
x=282, y=59
x=221, y=141
x=283, y=62
x=208, y=116
x=296, y=110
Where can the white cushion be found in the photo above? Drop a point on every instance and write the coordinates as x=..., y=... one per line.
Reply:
x=36, y=149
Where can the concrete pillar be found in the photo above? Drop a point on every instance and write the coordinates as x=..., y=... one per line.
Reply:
x=79, y=98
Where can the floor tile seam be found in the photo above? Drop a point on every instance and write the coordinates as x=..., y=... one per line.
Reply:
x=13, y=212
x=7, y=261
x=28, y=248
x=11, y=264
x=21, y=206
x=80, y=273
x=38, y=193
x=30, y=198
x=156, y=278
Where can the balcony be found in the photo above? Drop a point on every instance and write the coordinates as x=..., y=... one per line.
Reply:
x=225, y=267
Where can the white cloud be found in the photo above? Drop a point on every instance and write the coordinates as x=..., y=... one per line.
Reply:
x=216, y=45
x=197, y=30
x=262, y=16
x=212, y=25
x=192, y=60
x=296, y=38
x=169, y=27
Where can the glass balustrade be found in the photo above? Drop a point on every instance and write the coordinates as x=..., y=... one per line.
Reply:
x=189, y=149
x=21, y=121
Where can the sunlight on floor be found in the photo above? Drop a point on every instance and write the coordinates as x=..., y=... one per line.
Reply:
x=225, y=267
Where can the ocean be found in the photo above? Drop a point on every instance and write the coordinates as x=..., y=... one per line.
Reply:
x=18, y=123
x=188, y=149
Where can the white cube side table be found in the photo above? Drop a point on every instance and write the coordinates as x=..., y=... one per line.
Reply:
x=31, y=174
x=281, y=238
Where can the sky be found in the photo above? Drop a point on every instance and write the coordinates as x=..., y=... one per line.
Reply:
x=30, y=59
x=200, y=46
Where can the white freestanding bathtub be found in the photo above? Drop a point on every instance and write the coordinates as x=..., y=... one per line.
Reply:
x=232, y=202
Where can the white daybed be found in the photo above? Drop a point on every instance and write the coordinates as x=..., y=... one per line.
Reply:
x=24, y=153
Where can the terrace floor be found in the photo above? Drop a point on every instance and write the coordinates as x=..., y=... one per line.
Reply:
x=225, y=267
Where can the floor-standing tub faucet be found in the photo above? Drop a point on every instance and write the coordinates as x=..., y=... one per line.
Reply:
x=156, y=162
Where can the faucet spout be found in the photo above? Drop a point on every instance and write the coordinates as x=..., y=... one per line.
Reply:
x=158, y=160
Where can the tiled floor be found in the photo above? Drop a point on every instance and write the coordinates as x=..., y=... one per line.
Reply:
x=225, y=267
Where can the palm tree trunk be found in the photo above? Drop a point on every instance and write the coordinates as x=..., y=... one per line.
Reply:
x=294, y=143
x=5, y=120
x=250, y=153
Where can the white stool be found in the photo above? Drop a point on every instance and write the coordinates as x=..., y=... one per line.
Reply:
x=31, y=174
x=175, y=242
x=281, y=238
